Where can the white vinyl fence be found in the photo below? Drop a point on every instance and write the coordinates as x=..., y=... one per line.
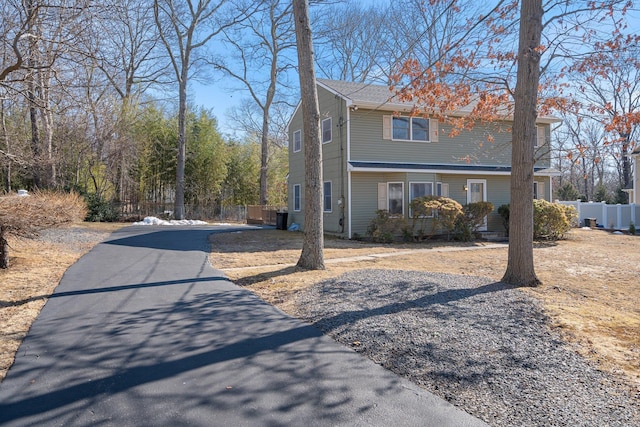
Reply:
x=615, y=217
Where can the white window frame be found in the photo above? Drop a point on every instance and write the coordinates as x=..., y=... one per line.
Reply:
x=297, y=143
x=326, y=209
x=328, y=130
x=388, y=122
x=389, y=184
x=412, y=196
x=297, y=198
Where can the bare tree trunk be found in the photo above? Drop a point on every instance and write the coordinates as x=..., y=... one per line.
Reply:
x=5, y=138
x=35, y=134
x=264, y=155
x=312, y=256
x=178, y=211
x=520, y=269
x=4, y=249
x=626, y=164
x=47, y=126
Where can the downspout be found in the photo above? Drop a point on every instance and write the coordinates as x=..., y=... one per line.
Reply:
x=342, y=167
x=349, y=234
x=636, y=178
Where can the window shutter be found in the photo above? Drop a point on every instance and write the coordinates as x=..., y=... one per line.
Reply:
x=444, y=192
x=382, y=196
x=540, y=137
x=387, y=127
x=433, y=130
x=541, y=190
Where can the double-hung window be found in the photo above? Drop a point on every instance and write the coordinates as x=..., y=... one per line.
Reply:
x=326, y=130
x=411, y=128
x=297, y=141
x=326, y=196
x=405, y=128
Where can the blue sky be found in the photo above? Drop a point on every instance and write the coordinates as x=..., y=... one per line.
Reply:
x=220, y=95
x=217, y=98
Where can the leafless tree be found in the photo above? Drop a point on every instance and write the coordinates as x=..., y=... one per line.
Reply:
x=259, y=61
x=352, y=37
x=185, y=29
x=312, y=256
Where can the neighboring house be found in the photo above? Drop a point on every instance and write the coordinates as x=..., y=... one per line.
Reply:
x=377, y=157
x=634, y=191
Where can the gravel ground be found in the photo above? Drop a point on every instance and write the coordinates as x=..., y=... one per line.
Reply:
x=482, y=346
x=75, y=238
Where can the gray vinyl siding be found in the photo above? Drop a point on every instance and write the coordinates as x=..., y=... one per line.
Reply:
x=364, y=197
x=365, y=194
x=543, y=153
x=367, y=144
x=334, y=165
x=470, y=147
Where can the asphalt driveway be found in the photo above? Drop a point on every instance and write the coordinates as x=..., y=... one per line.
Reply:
x=143, y=331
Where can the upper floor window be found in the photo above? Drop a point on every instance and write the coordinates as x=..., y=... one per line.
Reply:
x=411, y=128
x=404, y=128
x=326, y=130
x=297, y=141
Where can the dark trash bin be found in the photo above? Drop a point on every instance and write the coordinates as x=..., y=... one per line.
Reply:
x=281, y=220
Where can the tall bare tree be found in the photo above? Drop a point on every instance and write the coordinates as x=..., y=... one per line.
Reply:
x=312, y=256
x=261, y=43
x=185, y=28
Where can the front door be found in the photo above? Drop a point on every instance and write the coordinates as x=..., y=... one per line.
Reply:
x=477, y=192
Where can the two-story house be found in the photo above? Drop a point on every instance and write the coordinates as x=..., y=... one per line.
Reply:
x=376, y=156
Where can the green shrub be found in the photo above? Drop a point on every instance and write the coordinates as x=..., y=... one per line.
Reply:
x=551, y=221
x=568, y=192
x=384, y=227
x=447, y=213
x=100, y=210
x=421, y=210
x=504, y=211
x=632, y=228
x=473, y=217
x=476, y=213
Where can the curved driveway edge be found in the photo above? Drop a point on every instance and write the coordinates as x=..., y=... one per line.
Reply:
x=143, y=331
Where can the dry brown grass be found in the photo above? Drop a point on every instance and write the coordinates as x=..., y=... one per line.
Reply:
x=591, y=280
x=36, y=269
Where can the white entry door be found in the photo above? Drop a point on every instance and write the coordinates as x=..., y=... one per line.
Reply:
x=477, y=192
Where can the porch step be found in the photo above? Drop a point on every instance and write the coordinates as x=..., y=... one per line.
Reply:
x=494, y=236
